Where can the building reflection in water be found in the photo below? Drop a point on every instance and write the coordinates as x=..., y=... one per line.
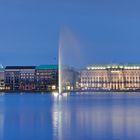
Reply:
x=72, y=117
x=96, y=117
x=2, y=116
x=25, y=117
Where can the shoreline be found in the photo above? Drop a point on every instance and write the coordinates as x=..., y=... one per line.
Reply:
x=46, y=92
x=72, y=91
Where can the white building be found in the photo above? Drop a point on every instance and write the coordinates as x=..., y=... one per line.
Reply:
x=111, y=77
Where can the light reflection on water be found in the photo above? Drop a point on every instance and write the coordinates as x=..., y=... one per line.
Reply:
x=72, y=117
x=98, y=116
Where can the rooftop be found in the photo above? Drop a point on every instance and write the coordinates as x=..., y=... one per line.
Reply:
x=113, y=66
x=20, y=67
x=1, y=69
x=47, y=67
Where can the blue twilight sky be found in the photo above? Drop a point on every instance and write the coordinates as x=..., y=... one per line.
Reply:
x=109, y=30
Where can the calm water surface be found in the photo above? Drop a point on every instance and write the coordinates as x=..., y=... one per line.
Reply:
x=73, y=117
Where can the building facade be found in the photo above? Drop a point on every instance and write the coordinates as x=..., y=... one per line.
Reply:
x=2, y=83
x=27, y=78
x=46, y=78
x=110, y=77
x=19, y=78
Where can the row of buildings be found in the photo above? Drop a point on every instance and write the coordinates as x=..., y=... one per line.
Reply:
x=29, y=78
x=102, y=78
x=93, y=77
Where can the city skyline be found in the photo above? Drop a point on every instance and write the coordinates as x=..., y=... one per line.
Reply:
x=44, y=78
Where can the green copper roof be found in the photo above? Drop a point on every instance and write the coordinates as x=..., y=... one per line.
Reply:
x=47, y=67
x=2, y=69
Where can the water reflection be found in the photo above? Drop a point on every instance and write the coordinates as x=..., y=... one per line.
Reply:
x=71, y=117
x=58, y=115
x=25, y=117
x=97, y=117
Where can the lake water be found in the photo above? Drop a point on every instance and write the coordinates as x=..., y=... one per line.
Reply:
x=74, y=117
